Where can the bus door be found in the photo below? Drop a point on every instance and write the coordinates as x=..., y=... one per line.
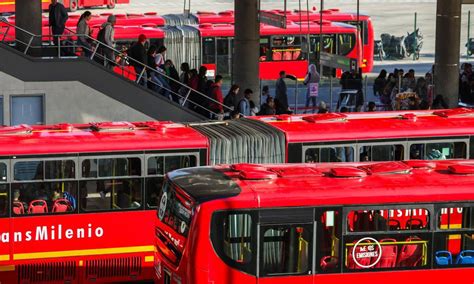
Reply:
x=286, y=246
x=224, y=56
x=5, y=248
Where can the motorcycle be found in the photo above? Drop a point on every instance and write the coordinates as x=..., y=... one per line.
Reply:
x=378, y=50
x=393, y=46
x=413, y=43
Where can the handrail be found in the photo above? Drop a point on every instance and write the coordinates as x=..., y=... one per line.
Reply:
x=96, y=45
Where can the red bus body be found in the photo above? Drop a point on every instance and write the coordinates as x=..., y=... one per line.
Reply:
x=84, y=256
x=297, y=199
x=8, y=6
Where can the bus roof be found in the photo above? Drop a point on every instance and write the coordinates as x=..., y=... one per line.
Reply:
x=214, y=30
x=376, y=125
x=330, y=184
x=99, y=137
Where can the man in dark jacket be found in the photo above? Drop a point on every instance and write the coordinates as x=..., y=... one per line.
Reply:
x=57, y=19
x=138, y=53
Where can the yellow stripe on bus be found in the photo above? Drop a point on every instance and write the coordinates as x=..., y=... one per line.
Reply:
x=85, y=252
x=4, y=257
x=4, y=268
x=149, y=258
x=13, y=2
x=451, y=226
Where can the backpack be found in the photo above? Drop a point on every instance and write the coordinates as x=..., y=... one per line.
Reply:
x=101, y=35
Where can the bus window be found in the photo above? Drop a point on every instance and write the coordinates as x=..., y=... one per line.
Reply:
x=438, y=151
x=31, y=170
x=392, y=238
x=157, y=167
x=60, y=169
x=455, y=247
x=329, y=45
x=285, y=48
x=329, y=154
x=3, y=190
x=44, y=197
x=286, y=249
x=111, y=194
x=345, y=43
x=208, y=50
x=471, y=148
x=234, y=239
x=388, y=220
x=119, y=167
x=364, y=30
x=265, y=53
x=329, y=237
x=381, y=153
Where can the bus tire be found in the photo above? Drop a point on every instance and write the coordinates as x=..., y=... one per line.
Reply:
x=73, y=6
x=111, y=4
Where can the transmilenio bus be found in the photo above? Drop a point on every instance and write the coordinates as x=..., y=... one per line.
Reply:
x=387, y=222
x=8, y=6
x=77, y=202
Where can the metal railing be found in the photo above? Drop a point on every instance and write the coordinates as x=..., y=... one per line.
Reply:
x=68, y=46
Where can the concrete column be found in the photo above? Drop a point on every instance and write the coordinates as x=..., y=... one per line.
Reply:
x=28, y=17
x=448, y=37
x=246, y=47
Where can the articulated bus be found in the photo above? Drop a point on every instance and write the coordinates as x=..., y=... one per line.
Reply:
x=77, y=202
x=8, y=6
x=386, y=222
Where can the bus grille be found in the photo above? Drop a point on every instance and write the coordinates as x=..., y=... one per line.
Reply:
x=115, y=267
x=47, y=272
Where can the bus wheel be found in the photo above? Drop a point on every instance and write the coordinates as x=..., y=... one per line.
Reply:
x=73, y=6
x=111, y=4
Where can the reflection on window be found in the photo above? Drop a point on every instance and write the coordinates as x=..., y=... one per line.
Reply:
x=60, y=169
x=346, y=43
x=111, y=194
x=329, y=154
x=237, y=237
x=286, y=250
x=438, y=151
x=388, y=219
x=113, y=167
x=391, y=251
x=456, y=218
x=44, y=197
x=208, y=51
x=381, y=153
x=329, y=241
x=32, y=170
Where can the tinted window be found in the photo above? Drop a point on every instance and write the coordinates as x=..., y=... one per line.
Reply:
x=111, y=194
x=329, y=241
x=438, y=151
x=44, y=197
x=381, y=153
x=286, y=249
x=60, y=169
x=3, y=200
x=237, y=237
x=346, y=43
x=456, y=218
x=32, y=170
x=329, y=154
x=388, y=220
x=113, y=167
x=209, y=50
x=3, y=172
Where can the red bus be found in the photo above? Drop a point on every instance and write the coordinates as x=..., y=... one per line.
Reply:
x=109, y=175
x=386, y=222
x=8, y=6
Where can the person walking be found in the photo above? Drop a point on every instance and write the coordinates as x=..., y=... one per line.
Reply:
x=311, y=81
x=230, y=100
x=83, y=31
x=281, y=91
x=107, y=37
x=244, y=104
x=380, y=83
x=215, y=93
x=57, y=20
x=138, y=53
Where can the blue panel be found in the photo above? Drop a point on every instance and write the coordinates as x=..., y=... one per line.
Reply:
x=27, y=110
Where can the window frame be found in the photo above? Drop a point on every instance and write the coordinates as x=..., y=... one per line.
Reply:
x=152, y=155
x=387, y=143
x=41, y=159
x=320, y=146
x=425, y=141
x=102, y=157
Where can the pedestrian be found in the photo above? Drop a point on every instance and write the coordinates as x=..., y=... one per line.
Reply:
x=57, y=20
x=421, y=89
x=217, y=102
x=138, y=54
x=155, y=83
x=371, y=107
x=230, y=100
x=380, y=83
x=268, y=108
x=311, y=81
x=160, y=57
x=106, y=36
x=173, y=79
x=254, y=109
x=83, y=31
x=244, y=104
x=281, y=92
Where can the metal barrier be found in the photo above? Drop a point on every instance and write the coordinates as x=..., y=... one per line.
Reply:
x=68, y=47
